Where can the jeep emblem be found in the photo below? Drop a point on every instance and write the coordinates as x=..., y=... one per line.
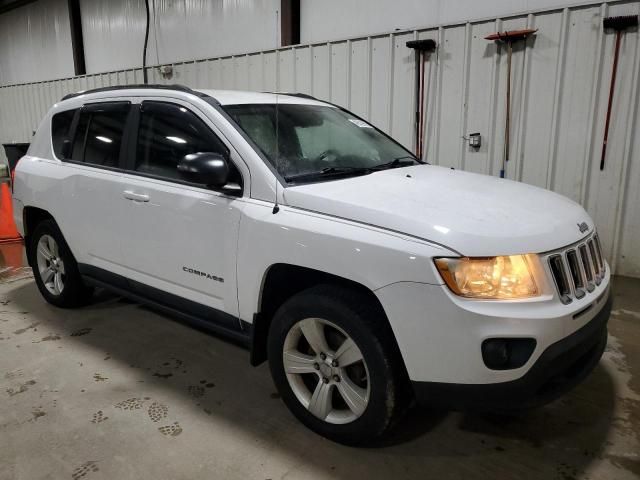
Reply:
x=583, y=227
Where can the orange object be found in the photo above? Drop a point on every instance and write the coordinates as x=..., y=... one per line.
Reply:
x=11, y=255
x=8, y=231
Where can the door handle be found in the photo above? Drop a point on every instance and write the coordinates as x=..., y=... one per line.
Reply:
x=136, y=197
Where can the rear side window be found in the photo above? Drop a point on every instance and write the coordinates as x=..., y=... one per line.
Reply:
x=167, y=133
x=60, y=130
x=98, y=136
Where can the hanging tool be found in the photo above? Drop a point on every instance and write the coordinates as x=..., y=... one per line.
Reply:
x=509, y=38
x=619, y=24
x=422, y=48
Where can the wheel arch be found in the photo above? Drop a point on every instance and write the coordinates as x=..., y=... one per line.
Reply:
x=32, y=216
x=280, y=282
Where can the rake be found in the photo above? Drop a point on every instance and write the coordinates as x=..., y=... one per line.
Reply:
x=619, y=24
x=509, y=38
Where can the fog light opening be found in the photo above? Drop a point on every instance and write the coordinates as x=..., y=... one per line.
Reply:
x=507, y=353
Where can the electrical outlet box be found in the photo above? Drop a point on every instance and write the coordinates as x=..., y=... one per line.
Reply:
x=475, y=140
x=166, y=71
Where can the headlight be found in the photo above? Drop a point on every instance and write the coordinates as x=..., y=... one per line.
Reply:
x=489, y=277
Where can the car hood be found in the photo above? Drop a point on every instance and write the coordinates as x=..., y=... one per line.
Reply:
x=472, y=214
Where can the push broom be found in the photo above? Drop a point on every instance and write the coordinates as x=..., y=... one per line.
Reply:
x=619, y=24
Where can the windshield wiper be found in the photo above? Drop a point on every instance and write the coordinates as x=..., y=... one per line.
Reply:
x=329, y=172
x=337, y=171
x=397, y=162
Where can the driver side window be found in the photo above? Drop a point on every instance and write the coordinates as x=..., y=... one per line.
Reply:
x=167, y=132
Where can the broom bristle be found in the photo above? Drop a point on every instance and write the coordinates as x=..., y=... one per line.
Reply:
x=620, y=23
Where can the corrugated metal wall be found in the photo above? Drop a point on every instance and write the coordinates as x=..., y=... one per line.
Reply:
x=331, y=19
x=560, y=86
x=113, y=31
x=35, y=42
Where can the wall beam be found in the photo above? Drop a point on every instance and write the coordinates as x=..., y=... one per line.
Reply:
x=289, y=22
x=77, y=42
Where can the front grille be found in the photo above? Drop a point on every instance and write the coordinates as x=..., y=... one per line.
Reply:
x=578, y=269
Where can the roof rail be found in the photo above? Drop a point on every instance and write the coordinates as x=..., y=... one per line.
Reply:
x=296, y=94
x=179, y=88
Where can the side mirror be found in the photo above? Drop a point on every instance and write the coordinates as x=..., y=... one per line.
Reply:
x=209, y=168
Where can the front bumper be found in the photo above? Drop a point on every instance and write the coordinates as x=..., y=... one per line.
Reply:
x=559, y=368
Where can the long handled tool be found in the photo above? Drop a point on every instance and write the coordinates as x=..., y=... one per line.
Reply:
x=619, y=24
x=509, y=38
x=422, y=49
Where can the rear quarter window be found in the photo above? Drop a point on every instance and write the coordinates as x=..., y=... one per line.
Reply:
x=60, y=130
x=98, y=136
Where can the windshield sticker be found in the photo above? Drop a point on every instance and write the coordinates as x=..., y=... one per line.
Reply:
x=360, y=123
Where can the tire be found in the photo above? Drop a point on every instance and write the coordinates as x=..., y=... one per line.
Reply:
x=356, y=403
x=54, y=267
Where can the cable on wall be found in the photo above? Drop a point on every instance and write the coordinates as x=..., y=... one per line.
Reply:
x=146, y=42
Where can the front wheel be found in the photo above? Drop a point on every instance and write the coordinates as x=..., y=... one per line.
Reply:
x=332, y=358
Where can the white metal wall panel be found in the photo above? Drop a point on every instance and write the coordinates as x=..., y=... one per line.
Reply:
x=113, y=31
x=321, y=71
x=339, y=73
x=359, y=77
x=542, y=99
x=629, y=230
x=326, y=20
x=255, y=73
x=380, y=81
x=559, y=94
x=35, y=42
x=303, y=73
x=287, y=72
x=479, y=86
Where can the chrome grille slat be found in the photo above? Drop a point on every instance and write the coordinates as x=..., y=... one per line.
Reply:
x=577, y=274
x=596, y=241
x=594, y=260
x=588, y=267
x=599, y=249
x=558, y=270
x=576, y=270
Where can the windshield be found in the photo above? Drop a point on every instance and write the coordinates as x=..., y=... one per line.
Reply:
x=317, y=142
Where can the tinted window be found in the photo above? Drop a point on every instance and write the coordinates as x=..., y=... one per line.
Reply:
x=77, y=152
x=99, y=135
x=60, y=126
x=166, y=134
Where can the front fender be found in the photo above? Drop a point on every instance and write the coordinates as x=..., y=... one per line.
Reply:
x=367, y=255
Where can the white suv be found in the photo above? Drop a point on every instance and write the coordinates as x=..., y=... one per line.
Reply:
x=367, y=278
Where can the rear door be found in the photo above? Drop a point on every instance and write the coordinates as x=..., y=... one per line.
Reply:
x=93, y=154
x=181, y=238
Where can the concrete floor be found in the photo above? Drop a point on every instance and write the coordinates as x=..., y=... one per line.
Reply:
x=115, y=390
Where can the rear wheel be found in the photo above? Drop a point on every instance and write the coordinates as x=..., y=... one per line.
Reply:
x=54, y=268
x=334, y=363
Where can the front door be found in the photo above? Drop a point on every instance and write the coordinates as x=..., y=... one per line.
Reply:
x=181, y=237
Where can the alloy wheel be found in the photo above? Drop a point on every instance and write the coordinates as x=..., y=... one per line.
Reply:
x=326, y=371
x=50, y=265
